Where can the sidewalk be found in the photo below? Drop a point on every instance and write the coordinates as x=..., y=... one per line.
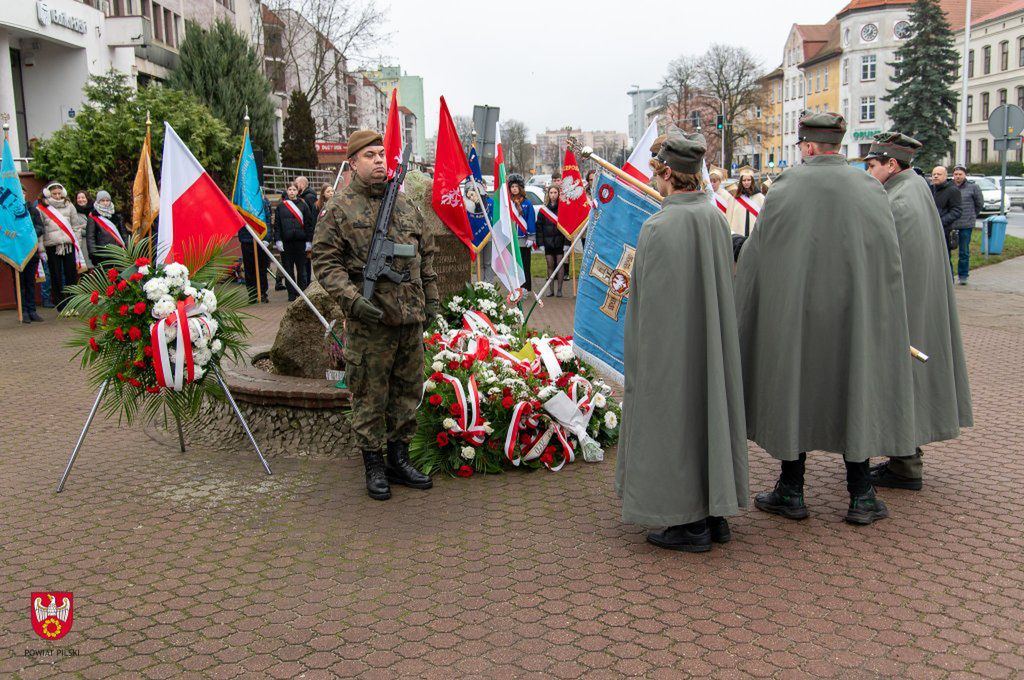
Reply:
x=200, y=565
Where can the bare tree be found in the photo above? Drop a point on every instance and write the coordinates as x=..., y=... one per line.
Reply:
x=315, y=42
x=731, y=76
x=680, y=82
x=464, y=128
x=518, y=149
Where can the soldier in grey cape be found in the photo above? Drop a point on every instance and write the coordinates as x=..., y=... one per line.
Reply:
x=823, y=325
x=682, y=460
x=384, y=349
x=942, y=395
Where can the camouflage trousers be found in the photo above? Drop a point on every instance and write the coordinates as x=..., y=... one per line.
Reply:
x=384, y=372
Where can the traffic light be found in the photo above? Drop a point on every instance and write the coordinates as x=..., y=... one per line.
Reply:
x=771, y=160
x=695, y=117
x=721, y=122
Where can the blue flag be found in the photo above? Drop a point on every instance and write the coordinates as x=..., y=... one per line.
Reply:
x=479, y=209
x=247, y=196
x=606, y=270
x=17, y=235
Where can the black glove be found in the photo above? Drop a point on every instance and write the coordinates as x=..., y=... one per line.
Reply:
x=363, y=310
x=433, y=310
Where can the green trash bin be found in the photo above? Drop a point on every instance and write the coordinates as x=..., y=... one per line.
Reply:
x=993, y=234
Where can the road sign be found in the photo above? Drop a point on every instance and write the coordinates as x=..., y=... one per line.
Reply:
x=783, y=164
x=1007, y=144
x=1006, y=122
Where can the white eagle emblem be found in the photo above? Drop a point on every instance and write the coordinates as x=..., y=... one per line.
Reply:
x=452, y=197
x=51, y=609
x=572, y=189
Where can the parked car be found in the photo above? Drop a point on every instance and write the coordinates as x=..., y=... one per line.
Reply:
x=539, y=181
x=1014, y=188
x=990, y=195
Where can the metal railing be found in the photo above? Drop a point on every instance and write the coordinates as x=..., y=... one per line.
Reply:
x=276, y=178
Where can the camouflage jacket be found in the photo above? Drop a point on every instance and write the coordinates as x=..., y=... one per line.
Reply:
x=342, y=242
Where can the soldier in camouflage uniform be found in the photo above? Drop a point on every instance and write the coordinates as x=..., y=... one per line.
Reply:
x=384, y=353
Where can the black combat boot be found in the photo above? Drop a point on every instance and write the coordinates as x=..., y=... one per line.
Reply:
x=719, y=527
x=401, y=471
x=783, y=500
x=693, y=537
x=866, y=508
x=376, y=481
x=881, y=475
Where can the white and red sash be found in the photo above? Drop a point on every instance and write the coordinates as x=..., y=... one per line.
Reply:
x=62, y=224
x=720, y=203
x=108, y=226
x=294, y=209
x=748, y=203
x=516, y=215
x=547, y=212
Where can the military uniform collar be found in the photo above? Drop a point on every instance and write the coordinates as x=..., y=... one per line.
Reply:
x=360, y=187
x=827, y=159
x=684, y=198
x=899, y=178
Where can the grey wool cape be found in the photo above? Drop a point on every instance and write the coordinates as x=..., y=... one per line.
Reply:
x=682, y=448
x=823, y=318
x=942, y=394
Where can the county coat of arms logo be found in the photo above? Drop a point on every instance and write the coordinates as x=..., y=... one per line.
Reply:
x=51, y=614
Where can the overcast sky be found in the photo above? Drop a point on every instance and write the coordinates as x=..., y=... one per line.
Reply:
x=571, y=63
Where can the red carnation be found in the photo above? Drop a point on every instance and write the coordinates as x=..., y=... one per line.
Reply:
x=435, y=400
x=140, y=364
x=506, y=391
x=153, y=390
x=112, y=274
x=123, y=310
x=507, y=402
x=134, y=383
x=464, y=471
x=455, y=409
x=92, y=323
x=137, y=277
x=452, y=365
x=134, y=333
x=119, y=333
x=547, y=458
x=549, y=449
x=104, y=317
x=110, y=290
x=142, y=262
x=493, y=445
x=442, y=439
x=435, y=376
x=148, y=350
x=140, y=307
x=467, y=362
x=436, y=337
x=120, y=376
x=121, y=285
x=94, y=345
x=95, y=297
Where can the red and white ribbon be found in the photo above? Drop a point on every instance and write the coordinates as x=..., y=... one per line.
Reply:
x=522, y=418
x=63, y=225
x=293, y=209
x=478, y=322
x=548, y=213
x=469, y=423
x=720, y=203
x=183, y=370
x=747, y=203
x=108, y=226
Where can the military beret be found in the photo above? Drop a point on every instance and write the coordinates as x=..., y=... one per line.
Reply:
x=896, y=145
x=826, y=127
x=683, y=152
x=360, y=139
x=658, y=141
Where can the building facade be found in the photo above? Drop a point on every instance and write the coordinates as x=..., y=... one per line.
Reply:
x=550, y=147
x=367, y=103
x=771, y=121
x=410, y=95
x=637, y=120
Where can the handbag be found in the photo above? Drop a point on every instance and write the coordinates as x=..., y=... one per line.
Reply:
x=953, y=239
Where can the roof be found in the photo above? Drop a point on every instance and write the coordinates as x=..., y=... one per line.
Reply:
x=814, y=36
x=775, y=73
x=829, y=49
x=1005, y=10
x=955, y=9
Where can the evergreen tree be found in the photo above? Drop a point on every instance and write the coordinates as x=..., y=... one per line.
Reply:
x=924, y=100
x=223, y=71
x=298, y=148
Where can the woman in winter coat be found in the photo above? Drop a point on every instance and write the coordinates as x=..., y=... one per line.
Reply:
x=294, y=237
x=551, y=238
x=742, y=217
x=62, y=238
x=105, y=227
x=524, y=209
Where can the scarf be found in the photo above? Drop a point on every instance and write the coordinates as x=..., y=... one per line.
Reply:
x=107, y=212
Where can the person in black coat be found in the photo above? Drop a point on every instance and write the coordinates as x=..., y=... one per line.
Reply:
x=949, y=203
x=307, y=194
x=293, y=235
x=101, y=219
x=552, y=239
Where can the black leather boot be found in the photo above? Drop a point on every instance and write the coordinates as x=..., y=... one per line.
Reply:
x=376, y=481
x=719, y=527
x=400, y=471
x=783, y=500
x=866, y=508
x=693, y=537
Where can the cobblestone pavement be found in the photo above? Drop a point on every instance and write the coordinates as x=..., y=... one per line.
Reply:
x=198, y=564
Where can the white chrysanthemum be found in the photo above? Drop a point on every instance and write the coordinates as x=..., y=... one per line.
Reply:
x=454, y=307
x=156, y=288
x=144, y=270
x=468, y=453
x=190, y=291
x=163, y=307
x=610, y=420
x=488, y=429
x=429, y=385
x=448, y=423
x=563, y=353
x=547, y=392
x=208, y=300
x=198, y=372
x=216, y=345
x=457, y=299
x=599, y=400
x=201, y=356
x=176, y=271
x=494, y=390
x=171, y=332
x=437, y=366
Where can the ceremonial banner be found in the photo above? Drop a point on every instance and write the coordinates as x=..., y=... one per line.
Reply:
x=193, y=209
x=505, y=258
x=145, y=197
x=605, y=274
x=639, y=163
x=450, y=169
x=17, y=235
x=478, y=210
x=573, y=208
x=393, y=136
x=247, y=197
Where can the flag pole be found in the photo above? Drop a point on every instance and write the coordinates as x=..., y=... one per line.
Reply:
x=255, y=249
x=17, y=273
x=561, y=263
x=487, y=219
x=149, y=235
x=587, y=152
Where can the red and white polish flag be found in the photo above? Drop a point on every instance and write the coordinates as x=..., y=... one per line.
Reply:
x=193, y=209
x=639, y=163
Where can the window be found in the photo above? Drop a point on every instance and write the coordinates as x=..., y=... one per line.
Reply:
x=801, y=87
x=970, y=108
x=826, y=78
x=1002, y=96
x=158, y=22
x=1020, y=96
x=967, y=153
x=817, y=80
x=984, y=105
x=970, y=63
x=984, y=150
x=868, y=67
x=897, y=59
x=845, y=108
x=825, y=108
x=1004, y=55
x=169, y=27
x=867, y=109
x=986, y=60
x=1020, y=51
x=846, y=70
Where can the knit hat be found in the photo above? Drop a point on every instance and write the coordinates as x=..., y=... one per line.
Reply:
x=101, y=194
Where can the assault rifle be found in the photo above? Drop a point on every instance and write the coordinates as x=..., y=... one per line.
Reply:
x=383, y=250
